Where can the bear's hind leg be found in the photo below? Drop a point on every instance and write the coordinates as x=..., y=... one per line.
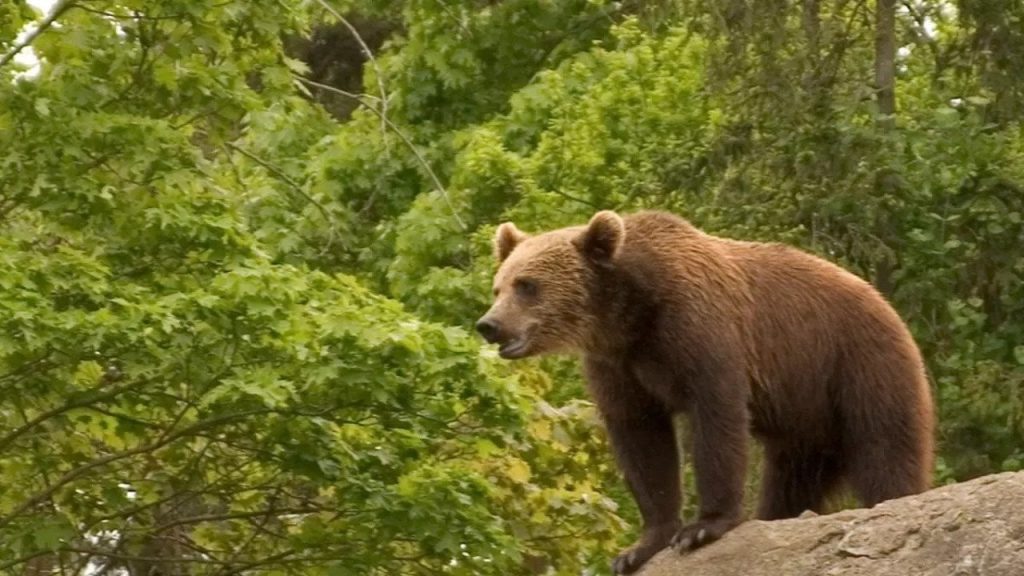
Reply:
x=887, y=434
x=885, y=469
x=795, y=480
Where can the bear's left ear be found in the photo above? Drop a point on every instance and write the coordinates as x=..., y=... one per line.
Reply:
x=506, y=239
x=604, y=235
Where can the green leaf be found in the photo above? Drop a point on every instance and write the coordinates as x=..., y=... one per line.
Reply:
x=88, y=374
x=52, y=533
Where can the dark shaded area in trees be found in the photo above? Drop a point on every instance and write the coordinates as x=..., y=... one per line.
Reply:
x=336, y=58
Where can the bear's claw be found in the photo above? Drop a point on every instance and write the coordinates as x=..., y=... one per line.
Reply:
x=693, y=536
x=654, y=540
x=625, y=563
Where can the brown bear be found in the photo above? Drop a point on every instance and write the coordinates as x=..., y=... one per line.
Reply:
x=743, y=337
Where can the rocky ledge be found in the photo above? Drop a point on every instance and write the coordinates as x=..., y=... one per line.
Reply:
x=967, y=529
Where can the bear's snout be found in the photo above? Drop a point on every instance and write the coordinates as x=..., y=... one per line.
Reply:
x=489, y=329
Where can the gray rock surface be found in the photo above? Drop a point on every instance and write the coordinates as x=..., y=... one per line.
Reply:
x=974, y=528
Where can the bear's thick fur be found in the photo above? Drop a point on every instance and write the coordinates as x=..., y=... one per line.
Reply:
x=742, y=337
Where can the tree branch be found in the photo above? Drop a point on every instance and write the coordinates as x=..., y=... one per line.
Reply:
x=292, y=183
x=405, y=139
x=57, y=11
x=271, y=512
x=76, y=473
x=13, y=435
x=369, y=57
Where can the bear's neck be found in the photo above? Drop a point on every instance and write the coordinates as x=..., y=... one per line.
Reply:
x=623, y=309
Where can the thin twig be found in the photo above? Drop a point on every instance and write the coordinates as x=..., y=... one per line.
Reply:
x=58, y=10
x=270, y=512
x=80, y=471
x=279, y=558
x=96, y=396
x=140, y=558
x=369, y=57
x=293, y=184
x=405, y=139
x=23, y=559
x=139, y=16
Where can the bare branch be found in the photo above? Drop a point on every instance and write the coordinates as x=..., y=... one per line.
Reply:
x=76, y=473
x=280, y=557
x=148, y=559
x=89, y=400
x=369, y=56
x=57, y=11
x=23, y=560
x=294, y=185
x=135, y=15
x=231, y=567
x=271, y=512
x=405, y=139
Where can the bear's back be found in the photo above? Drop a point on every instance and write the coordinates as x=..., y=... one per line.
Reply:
x=803, y=319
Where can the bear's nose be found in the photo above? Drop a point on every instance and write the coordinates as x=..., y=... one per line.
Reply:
x=488, y=329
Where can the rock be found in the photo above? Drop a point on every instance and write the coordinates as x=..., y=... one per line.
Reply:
x=974, y=528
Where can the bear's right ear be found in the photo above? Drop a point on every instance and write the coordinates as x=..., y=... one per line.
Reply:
x=507, y=238
x=604, y=235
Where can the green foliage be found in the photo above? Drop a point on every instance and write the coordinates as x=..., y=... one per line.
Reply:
x=459, y=63
x=190, y=382
x=601, y=130
x=13, y=15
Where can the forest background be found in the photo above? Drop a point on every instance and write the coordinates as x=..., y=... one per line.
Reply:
x=243, y=242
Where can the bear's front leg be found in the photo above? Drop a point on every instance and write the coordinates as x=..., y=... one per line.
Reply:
x=644, y=442
x=653, y=540
x=645, y=449
x=720, y=424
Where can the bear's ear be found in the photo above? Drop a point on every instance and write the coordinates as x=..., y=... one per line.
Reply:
x=507, y=238
x=604, y=235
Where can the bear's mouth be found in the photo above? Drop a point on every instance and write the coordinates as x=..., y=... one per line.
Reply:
x=514, y=349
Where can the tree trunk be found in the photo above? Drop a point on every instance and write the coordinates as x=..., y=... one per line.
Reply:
x=885, y=84
x=885, y=58
x=810, y=19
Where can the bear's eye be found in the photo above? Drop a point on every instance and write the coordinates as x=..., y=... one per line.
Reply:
x=525, y=287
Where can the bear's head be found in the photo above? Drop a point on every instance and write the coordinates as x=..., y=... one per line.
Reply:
x=544, y=288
